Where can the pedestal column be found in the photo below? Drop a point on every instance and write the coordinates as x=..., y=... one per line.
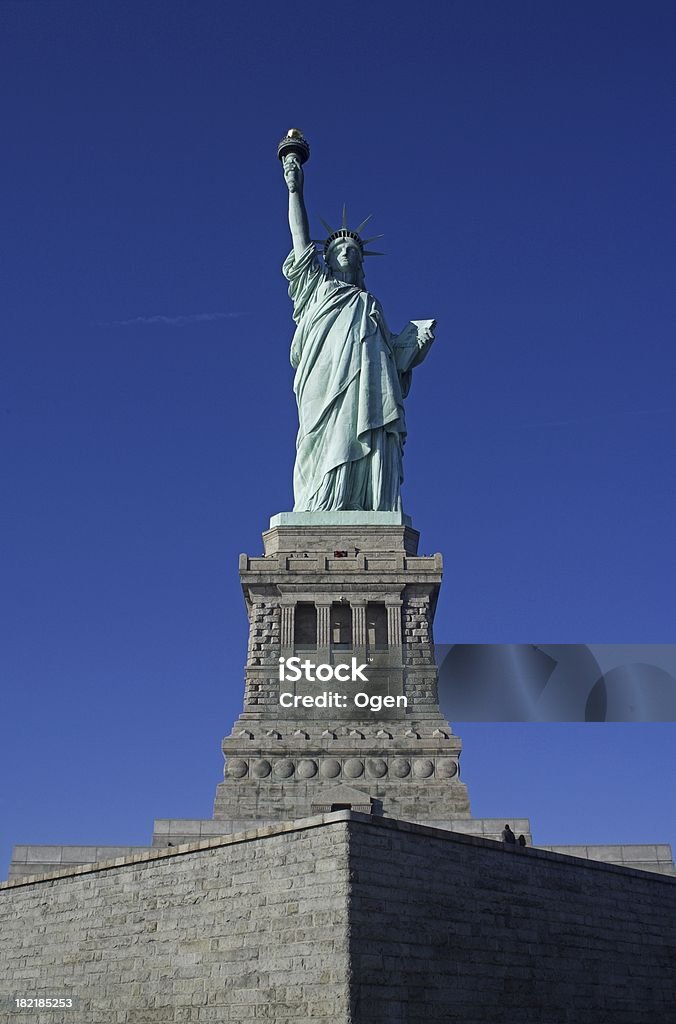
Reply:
x=323, y=629
x=359, y=638
x=288, y=613
x=393, y=606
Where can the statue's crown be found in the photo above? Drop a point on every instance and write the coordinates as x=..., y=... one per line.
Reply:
x=345, y=232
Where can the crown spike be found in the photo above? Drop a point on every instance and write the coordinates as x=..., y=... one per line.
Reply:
x=345, y=232
x=363, y=224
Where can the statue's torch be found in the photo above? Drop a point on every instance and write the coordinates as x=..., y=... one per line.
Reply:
x=294, y=142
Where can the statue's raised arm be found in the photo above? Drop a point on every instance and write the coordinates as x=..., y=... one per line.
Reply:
x=293, y=151
x=352, y=373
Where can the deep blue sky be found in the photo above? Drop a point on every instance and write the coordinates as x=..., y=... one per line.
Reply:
x=520, y=159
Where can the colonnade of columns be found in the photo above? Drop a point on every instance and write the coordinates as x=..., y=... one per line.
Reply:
x=358, y=608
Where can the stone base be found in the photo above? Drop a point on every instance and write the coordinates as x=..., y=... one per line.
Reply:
x=340, y=519
x=383, y=546
x=344, y=919
x=280, y=772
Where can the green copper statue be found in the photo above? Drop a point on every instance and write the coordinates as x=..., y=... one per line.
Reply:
x=352, y=373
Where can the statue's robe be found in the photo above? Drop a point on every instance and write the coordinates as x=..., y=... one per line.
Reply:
x=349, y=391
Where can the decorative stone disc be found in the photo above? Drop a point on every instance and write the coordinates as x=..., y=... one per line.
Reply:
x=446, y=769
x=330, y=768
x=423, y=768
x=261, y=769
x=283, y=769
x=353, y=768
x=306, y=769
x=236, y=768
x=377, y=767
x=400, y=767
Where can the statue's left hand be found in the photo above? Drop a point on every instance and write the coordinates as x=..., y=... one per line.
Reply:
x=293, y=173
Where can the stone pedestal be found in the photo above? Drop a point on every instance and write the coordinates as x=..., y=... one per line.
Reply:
x=332, y=588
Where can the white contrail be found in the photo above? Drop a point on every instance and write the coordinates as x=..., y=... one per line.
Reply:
x=170, y=321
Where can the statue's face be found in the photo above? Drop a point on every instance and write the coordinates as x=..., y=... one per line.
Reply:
x=344, y=255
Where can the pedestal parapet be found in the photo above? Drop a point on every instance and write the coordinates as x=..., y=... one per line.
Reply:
x=338, y=591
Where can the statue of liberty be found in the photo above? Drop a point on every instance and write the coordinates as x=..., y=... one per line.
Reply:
x=352, y=373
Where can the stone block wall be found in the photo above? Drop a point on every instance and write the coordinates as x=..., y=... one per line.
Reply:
x=456, y=929
x=247, y=928
x=348, y=919
x=264, y=633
